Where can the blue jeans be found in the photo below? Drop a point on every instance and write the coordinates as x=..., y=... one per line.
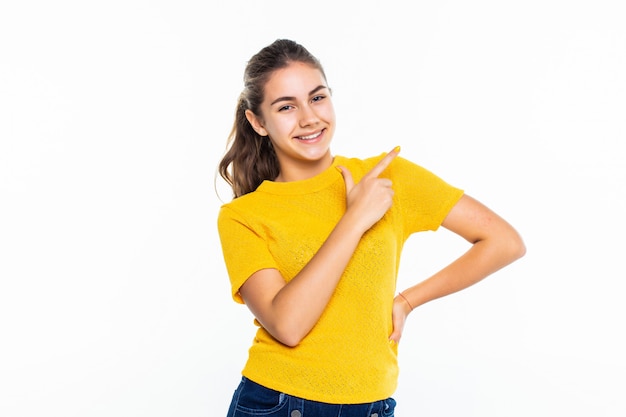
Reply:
x=252, y=399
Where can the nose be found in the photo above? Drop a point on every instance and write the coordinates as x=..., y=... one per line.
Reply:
x=308, y=117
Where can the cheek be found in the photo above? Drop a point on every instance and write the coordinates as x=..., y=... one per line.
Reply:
x=287, y=123
x=279, y=127
x=329, y=112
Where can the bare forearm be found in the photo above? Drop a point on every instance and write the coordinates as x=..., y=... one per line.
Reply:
x=301, y=302
x=480, y=261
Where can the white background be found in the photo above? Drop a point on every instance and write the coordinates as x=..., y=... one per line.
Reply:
x=114, y=300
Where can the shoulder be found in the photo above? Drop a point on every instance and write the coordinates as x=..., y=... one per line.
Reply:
x=241, y=202
x=238, y=208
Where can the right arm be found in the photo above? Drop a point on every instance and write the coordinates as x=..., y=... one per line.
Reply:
x=288, y=311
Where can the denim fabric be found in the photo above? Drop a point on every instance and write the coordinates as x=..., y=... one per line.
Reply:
x=252, y=399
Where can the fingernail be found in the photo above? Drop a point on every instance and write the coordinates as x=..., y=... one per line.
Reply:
x=396, y=149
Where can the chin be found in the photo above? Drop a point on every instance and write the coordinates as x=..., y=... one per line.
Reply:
x=317, y=156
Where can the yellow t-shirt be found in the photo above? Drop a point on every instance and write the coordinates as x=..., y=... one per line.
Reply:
x=346, y=358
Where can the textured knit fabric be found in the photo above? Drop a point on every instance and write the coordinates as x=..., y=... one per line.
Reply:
x=346, y=358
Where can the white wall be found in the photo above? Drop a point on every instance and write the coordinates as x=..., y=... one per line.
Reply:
x=114, y=300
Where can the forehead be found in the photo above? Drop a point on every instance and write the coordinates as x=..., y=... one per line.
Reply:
x=296, y=79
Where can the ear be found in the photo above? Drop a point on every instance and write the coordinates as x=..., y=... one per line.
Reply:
x=256, y=123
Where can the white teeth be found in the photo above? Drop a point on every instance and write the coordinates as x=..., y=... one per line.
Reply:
x=313, y=136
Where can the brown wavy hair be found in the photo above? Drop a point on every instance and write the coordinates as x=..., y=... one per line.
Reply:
x=250, y=158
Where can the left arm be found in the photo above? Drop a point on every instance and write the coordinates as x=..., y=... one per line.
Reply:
x=495, y=244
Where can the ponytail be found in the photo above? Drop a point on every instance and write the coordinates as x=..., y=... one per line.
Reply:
x=250, y=158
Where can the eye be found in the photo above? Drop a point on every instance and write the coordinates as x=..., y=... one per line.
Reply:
x=318, y=98
x=285, y=108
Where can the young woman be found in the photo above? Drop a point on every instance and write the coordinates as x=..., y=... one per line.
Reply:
x=312, y=245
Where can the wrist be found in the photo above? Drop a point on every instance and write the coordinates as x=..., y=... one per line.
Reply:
x=354, y=223
x=406, y=301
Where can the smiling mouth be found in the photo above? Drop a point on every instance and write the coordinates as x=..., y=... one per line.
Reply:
x=310, y=137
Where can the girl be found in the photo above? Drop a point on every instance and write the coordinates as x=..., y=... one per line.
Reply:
x=312, y=246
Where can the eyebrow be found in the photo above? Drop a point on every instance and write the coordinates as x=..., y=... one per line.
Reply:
x=315, y=90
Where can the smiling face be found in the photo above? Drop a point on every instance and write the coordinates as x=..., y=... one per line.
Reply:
x=298, y=116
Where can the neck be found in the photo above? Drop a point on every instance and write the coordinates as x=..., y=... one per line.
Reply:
x=303, y=170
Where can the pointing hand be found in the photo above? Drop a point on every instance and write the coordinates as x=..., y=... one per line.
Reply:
x=369, y=200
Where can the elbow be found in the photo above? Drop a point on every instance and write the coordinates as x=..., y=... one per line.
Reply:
x=515, y=246
x=521, y=249
x=285, y=326
x=291, y=342
x=290, y=336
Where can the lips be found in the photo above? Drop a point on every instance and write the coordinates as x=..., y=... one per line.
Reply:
x=311, y=136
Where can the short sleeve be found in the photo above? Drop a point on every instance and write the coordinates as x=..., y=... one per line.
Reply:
x=245, y=250
x=424, y=198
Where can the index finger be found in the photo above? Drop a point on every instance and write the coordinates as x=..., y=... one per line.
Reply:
x=383, y=163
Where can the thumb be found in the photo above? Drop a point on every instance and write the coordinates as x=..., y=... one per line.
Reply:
x=398, y=318
x=396, y=334
x=395, y=337
x=347, y=178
